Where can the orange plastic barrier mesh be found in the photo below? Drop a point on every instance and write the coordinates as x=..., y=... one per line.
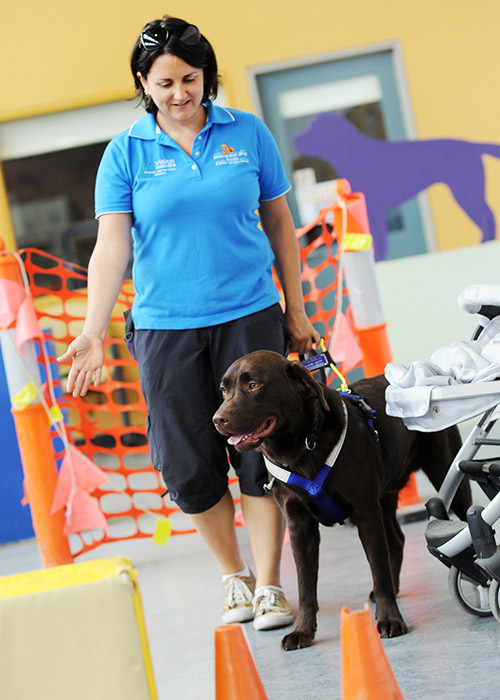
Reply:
x=319, y=257
x=108, y=425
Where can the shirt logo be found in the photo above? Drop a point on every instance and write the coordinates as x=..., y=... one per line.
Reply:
x=158, y=167
x=230, y=156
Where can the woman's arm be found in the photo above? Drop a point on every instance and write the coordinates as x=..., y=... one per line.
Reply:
x=278, y=226
x=105, y=276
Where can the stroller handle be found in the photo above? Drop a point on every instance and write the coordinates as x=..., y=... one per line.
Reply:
x=481, y=299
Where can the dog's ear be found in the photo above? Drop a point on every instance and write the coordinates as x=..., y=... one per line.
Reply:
x=296, y=370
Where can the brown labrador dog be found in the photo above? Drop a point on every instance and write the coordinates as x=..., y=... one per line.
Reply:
x=277, y=406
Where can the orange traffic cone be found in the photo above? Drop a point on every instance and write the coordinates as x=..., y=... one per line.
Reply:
x=366, y=672
x=236, y=676
x=409, y=495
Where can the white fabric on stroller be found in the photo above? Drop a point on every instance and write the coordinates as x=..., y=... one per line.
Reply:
x=473, y=297
x=411, y=390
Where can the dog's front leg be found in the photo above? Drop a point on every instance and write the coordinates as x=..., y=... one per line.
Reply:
x=371, y=530
x=304, y=540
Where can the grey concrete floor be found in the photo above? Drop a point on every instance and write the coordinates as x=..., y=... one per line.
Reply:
x=447, y=654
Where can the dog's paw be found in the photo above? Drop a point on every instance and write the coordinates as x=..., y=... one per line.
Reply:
x=391, y=628
x=297, y=640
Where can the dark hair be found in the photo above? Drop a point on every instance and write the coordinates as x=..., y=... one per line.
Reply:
x=201, y=55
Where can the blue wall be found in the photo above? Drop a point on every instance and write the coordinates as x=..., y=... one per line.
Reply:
x=15, y=519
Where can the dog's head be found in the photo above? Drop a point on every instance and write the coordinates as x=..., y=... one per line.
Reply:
x=262, y=393
x=328, y=136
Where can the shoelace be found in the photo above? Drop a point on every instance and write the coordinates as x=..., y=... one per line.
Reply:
x=237, y=592
x=268, y=599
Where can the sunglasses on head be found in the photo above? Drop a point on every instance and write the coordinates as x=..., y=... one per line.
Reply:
x=153, y=38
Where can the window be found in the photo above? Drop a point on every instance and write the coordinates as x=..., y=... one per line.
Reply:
x=49, y=164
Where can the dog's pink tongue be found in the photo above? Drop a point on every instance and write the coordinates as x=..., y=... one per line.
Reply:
x=235, y=439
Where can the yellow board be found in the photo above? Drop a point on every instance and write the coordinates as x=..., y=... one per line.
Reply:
x=74, y=631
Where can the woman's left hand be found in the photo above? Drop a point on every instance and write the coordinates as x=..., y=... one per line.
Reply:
x=303, y=336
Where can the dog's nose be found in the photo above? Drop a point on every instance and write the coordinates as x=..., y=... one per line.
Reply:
x=219, y=420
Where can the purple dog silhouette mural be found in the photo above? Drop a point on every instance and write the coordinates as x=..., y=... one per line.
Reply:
x=390, y=172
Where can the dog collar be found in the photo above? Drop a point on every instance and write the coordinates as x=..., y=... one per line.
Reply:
x=314, y=487
x=312, y=438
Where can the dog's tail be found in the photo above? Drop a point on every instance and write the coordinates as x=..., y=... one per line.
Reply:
x=490, y=149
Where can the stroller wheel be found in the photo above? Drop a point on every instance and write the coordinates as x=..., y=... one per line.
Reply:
x=469, y=594
x=495, y=599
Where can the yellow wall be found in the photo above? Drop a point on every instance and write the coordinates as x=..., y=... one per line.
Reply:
x=58, y=55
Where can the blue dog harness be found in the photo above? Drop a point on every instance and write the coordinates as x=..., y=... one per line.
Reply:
x=369, y=412
x=314, y=487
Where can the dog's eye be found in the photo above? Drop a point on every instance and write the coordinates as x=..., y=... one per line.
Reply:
x=253, y=385
x=223, y=390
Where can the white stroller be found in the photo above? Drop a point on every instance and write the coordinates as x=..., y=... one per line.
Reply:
x=455, y=384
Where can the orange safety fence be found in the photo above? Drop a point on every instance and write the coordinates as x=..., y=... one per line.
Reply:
x=108, y=425
x=319, y=256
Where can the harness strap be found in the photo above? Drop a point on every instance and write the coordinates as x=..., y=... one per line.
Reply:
x=314, y=487
x=318, y=495
x=369, y=412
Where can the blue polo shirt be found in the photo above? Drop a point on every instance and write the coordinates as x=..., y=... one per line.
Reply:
x=200, y=258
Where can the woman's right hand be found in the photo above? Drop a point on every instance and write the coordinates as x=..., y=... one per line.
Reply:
x=87, y=356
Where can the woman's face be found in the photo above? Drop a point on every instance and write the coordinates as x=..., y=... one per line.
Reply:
x=176, y=88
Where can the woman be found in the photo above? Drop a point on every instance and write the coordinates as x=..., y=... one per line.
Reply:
x=187, y=181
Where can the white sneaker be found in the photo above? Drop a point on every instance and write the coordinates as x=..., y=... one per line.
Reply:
x=271, y=609
x=238, y=595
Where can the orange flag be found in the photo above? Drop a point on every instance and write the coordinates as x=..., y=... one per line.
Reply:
x=343, y=346
x=85, y=514
x=87, y=477
x=27, y=326
x=11, y=296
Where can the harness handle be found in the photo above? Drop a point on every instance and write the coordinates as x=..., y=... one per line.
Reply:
x=318, y=360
